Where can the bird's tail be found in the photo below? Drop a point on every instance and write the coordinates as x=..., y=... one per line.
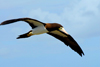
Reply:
x=26, y=35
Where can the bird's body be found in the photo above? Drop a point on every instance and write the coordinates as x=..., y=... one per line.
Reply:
x=39, y=30
x=54, y=29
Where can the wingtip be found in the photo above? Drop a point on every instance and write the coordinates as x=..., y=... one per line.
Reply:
x=81, y=54
x=17, y=38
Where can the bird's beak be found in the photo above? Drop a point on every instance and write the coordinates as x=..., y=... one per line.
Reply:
x=62, y=30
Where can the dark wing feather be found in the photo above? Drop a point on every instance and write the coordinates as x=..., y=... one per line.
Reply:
x=32, y=22
x=68, y=40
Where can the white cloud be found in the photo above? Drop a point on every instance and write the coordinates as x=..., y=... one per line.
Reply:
x=38, y=13
x=4, y=4
x=79, y=18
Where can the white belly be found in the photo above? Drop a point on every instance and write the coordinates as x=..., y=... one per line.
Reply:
x=39, y=30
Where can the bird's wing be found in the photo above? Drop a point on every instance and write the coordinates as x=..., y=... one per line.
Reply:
x=68, y=40
x=32, y=22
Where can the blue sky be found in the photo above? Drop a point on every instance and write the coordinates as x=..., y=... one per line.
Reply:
x=80, y=18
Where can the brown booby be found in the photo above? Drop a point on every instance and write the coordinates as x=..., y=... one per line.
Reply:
x=54, y=29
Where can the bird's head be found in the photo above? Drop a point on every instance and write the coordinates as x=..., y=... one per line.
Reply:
x=62, y=30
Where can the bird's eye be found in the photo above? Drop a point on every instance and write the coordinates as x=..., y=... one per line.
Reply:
x=60, y=28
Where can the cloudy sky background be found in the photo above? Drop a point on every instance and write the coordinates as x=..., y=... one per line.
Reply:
x=80, y=18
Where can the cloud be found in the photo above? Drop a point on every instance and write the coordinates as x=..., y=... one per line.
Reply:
x=5, y=4
x=84, y=16
x=80, y=18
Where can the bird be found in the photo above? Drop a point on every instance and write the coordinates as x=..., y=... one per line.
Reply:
x=54, y=29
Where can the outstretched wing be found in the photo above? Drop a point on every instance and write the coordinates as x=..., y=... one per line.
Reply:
x=68, y=40
x=32, y=22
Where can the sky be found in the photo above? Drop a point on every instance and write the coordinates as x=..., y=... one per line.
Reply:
x=80, y=18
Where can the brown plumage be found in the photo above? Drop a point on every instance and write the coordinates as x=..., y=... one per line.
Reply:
x=54, y=29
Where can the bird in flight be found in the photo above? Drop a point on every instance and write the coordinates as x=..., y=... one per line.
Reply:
x=54, y=29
